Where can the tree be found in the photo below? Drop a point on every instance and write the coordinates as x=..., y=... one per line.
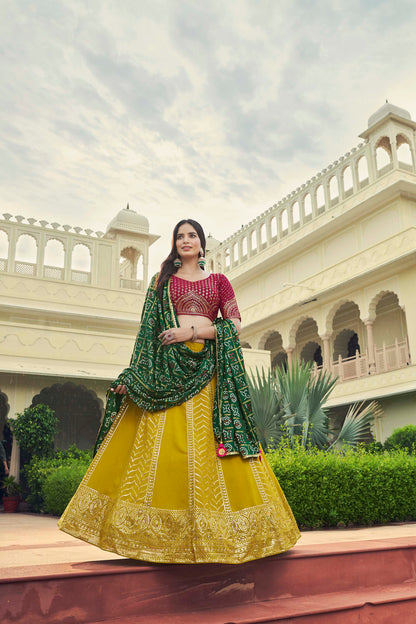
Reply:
x=292, y=403
x=35, y=430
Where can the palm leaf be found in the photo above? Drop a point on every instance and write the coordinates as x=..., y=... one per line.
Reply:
x=357, y=424
x=266, y=406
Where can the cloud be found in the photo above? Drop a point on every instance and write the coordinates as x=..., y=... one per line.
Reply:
x=209, y=109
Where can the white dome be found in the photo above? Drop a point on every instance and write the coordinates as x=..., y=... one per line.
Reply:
x=130, y=221
x=211, y=243
x=385, y=110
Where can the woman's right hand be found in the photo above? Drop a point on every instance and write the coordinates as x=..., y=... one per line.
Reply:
x=120, y=389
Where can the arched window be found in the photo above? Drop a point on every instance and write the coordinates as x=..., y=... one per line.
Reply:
x=227, y=258
x=235, y=252
x=307, y=204
x=320, y=198
x=80, y=263
x=54, y=259
x=295, y=214
x=253, y=238
x=140, y=268
x=4, y=250
x=362, y=170
x=273, y=227
x=244, y=246
x=347, y=181
x=263, y=237
x=383, y=153
x=333, y=188
x=26, y=253
x=404, y=154
x=284, y=222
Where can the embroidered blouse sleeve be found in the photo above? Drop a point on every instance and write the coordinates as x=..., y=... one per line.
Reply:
x=228, y=302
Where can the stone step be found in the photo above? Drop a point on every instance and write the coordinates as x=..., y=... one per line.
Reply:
x=390, y=604
x=102, y=591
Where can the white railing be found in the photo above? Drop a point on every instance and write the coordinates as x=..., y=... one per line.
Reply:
x=131, y=283
x=52, y=272
x=83, y=277
x=25, y=268
x=385, y=358
x=3, y=264
x=345, y=177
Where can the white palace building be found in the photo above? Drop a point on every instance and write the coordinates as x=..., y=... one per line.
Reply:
x=328, y=274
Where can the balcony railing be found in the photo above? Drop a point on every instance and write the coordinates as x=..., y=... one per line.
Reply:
x=385, y=358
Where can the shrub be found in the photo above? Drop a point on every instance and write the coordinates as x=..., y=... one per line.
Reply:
x=60, y=486
x=35, y=430
x=402, y=438
x=325, y=489
x=38, y=470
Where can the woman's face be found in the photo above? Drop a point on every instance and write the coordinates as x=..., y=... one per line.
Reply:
x=188, y=244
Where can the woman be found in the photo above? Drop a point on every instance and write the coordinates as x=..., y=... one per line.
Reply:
x=178, y=476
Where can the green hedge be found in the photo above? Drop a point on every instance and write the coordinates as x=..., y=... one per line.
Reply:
x=59, y=487
x=328, y=489
x=38, y=470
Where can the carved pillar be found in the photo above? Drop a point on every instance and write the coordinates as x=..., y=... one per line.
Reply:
x=289, y=352
x=326, y=352
x=370, y=346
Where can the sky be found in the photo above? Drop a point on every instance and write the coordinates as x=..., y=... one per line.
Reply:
x=205, y=109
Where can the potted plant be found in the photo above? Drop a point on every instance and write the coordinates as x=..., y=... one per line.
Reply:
x=13, y=492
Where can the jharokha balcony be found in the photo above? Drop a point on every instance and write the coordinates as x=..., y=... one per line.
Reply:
x=382, y=360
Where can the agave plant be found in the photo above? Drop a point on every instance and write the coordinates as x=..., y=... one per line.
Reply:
x=293, y=401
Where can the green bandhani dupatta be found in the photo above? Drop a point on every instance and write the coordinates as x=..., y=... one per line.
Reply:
x=160, y=377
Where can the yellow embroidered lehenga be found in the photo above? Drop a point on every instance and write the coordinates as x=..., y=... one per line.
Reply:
x=156, y=490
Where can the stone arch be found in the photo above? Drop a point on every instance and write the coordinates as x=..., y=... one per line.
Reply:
x=235, y=257
x=343, y=344
x=280, y=360
x=274, y=344
x=78, y=410
x=227, y=258
x=244, y=246
x=362, y=169
x=295, y=328
x=375, y=300
x=320, y=198
x=333, y=188
x=26, y=248
x=347, y=180
x=54, y=259
x=245, y=345
x=404, y=151
x=273, y=226
x=389, y=319
x=307, y=205
x=333, y=311
x=253, y=240
x=295, y=210
x=284, y=221
x=262, y=235
x=81, y=258
x=131, y=265
x=4, y=245
x=383, y=153
x=312, y=352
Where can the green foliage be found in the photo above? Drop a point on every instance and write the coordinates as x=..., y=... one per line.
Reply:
x=402, y=438
x=38, y=470
x=60, y=486
x=35, y=430
x=12, y=487
x=267, y=407
x=291, y=403
x=346, y=486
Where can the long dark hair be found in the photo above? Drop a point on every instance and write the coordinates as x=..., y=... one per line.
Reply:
x=167, y=268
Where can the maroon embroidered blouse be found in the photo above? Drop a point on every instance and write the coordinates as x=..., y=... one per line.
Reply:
x=204, y=297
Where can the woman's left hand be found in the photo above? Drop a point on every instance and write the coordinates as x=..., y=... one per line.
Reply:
x=176, y=334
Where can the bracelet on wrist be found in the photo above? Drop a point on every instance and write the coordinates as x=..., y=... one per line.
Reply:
x=194, y=332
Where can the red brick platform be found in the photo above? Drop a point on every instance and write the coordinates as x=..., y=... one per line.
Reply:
x=358, y=581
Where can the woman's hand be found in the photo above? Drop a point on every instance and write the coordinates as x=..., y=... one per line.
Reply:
x=120, y=389
x=176, y=334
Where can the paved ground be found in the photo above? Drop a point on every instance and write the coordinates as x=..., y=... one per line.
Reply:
x=32, y=539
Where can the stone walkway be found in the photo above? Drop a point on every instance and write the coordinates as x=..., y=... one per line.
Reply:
x=32, y=539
